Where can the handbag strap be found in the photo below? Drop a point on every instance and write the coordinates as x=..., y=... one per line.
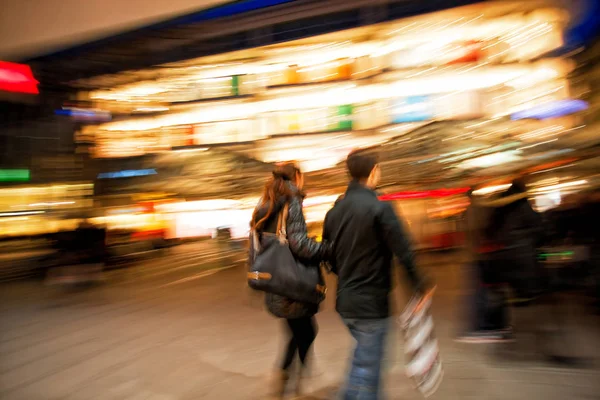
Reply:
x=282, y=222
x=281, y=230
x=255, y=241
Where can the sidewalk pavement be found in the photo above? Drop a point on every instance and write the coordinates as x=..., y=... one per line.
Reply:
x=209, y=338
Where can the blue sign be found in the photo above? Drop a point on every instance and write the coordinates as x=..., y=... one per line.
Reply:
x=552, y=109
x=129, y=173
x=85, y=115
x=412, y=109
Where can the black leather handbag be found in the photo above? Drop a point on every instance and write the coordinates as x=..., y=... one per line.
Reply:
x=274, y=269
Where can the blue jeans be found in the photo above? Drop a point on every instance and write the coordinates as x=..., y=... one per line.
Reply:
x=365, y=373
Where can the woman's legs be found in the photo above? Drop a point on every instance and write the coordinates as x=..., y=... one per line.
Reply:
x=303, y=334
x=304, y=331
x=282, y=377
x=291, y=350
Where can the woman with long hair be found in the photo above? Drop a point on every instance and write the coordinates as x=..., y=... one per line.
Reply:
x=285, y=188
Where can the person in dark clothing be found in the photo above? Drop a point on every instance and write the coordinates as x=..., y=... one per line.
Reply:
x=506, y=256
x=484, y=313
x=366, y=234
x=516, y=230
x=285, y=187
x=475, y=303
x=90, y=241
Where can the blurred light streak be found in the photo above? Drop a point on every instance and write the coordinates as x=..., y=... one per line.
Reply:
x=537, y=144
x=56, y=203
x=491, y=189
x=334, y=96
x=552, y=169
x=436, y=193
x=205, y=223
x=575, y=128
x=490, y=160
x=557, y=108
x=550, y=154
x=191, y=150
x=561, y=186
x=150, y=109
x=545, y=167
x=18, y=213
x=540, y=75
x=546, y=182
x=542, y=132
x=487, y=121
x=85, y=114
x=199, y=205
x=127, y=173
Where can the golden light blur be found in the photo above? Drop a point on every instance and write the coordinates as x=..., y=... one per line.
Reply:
x=313, y=100
x=132, y=166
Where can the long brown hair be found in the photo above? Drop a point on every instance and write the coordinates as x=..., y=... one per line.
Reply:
x=275, y=188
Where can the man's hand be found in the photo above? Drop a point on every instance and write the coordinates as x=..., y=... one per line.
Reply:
x=425, y=297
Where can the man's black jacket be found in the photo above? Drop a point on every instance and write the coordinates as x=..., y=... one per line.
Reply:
x=366, y=234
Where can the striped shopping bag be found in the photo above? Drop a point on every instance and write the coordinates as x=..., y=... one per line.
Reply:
x=423, y=362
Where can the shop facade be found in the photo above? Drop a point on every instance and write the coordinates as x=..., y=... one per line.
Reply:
x=315, y=99
x=448, y=97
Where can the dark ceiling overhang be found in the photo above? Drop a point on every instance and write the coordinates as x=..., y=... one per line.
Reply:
x=214, y=31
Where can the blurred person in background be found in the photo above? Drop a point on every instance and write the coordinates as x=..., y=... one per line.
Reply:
x=80, y=255
x=480, y=316
x=91, y=241
x=572, y=227
x=507, y=254
x=285, y=187
x=366, y=234
x=593, y=213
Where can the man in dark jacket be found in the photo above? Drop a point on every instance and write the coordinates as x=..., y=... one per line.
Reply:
x=366, y=234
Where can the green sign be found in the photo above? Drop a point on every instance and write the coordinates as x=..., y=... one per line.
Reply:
x=14, y=175
x=235, y=85
x=340, y=118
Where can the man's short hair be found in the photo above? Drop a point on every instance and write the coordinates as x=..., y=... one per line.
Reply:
x=360, y=163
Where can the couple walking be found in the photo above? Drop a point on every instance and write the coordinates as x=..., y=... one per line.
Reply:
x=361, y=235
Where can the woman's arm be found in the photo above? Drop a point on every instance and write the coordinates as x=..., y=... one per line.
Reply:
x=301, y=245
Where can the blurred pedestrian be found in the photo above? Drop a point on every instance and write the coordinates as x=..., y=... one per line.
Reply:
x=366, y=234
x=507, y=255
x=485, y=316
x=285, y=188
x=518, y=229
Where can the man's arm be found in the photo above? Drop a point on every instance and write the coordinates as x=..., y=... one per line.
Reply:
x=327, y=238
x=398, y=242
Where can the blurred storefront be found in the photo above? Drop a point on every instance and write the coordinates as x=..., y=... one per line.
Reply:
x=315, y=99
x=451, y=98
x=27, y=210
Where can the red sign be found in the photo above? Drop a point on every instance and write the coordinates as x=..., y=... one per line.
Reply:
x=466, y=52
x=17, y=78
x=436, y=193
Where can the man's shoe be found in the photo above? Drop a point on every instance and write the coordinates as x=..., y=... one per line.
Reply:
x=483, y=337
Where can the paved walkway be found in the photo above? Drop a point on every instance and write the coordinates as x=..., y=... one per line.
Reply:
x=147, y=334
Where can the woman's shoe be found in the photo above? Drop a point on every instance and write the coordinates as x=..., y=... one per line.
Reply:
x=279, y=384
x=300, y=383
